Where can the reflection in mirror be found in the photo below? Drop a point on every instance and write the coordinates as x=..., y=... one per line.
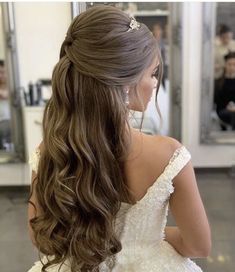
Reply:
x=224, y=67
x=5, y=116
x=218, y=74
x=156, y=17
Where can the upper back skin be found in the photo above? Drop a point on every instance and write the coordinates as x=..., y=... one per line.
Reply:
x=147, y=159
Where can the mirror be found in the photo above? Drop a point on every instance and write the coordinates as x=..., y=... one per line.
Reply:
x=11, y=127
x=218, y=74
x=160, y=18
x=5, y=111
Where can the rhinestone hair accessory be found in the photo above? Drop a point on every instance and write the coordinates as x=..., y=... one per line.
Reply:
x=133, y=24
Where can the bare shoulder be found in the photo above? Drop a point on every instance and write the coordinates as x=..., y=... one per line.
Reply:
x=157, y=152
x=151, y=155
x=167, y=141
x=165, y=146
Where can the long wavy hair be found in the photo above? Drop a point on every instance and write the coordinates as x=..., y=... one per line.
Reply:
x=80, y=181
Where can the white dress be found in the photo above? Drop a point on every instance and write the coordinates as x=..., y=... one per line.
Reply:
x=141, y=229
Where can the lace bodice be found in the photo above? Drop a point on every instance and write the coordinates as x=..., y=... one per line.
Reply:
x=140, y=227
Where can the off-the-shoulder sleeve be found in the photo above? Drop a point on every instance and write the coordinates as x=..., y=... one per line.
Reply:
x=177, y=162
x=34, y=160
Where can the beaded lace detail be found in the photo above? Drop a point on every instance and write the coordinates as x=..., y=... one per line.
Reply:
x=140, y=228
x=34, y=160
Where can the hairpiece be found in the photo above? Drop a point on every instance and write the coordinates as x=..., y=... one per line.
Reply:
x=133, y=24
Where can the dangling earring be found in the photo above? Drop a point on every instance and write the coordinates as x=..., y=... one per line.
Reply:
x=127, y=97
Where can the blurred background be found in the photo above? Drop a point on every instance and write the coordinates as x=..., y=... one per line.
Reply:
x=196, y=99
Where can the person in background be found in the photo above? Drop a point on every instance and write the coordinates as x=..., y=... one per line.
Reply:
x=5, y=130
x=225, y=93
x=224, y=43
x=100, y=189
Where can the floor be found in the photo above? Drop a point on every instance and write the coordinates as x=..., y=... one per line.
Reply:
x=218, y=193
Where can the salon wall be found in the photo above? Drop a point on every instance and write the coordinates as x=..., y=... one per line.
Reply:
x=40, y=30
x=203, y=155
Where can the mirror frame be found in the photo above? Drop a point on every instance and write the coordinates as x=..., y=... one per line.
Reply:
x=11, y=59
x=207, y=80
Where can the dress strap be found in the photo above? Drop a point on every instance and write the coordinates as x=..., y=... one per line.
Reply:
x=179, y=159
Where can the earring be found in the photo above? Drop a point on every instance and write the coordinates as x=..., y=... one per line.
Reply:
x=127, y=97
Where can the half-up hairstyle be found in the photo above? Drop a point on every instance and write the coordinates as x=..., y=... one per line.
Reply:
x=80, y=180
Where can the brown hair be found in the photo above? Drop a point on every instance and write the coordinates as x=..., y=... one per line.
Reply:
x=80, y=181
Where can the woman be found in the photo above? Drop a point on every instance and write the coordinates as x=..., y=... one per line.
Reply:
x=100, y=189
